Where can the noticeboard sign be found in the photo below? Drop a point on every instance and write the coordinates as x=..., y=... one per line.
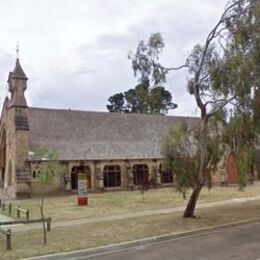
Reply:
x=82, y=189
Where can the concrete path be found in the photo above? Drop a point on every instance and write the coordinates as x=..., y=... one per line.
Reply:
x=4, y=218
x=75, y=222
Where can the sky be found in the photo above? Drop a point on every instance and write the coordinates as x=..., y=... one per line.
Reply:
x=74, y=52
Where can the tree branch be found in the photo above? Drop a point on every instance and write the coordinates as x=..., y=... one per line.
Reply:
x=225, y=102
x=215, y=102
x=176, y=68
x=210, y=37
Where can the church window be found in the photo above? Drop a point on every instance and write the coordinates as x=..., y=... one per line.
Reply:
x=140, y=173
x=112, y=176
x=166, y=176
x=35, y=171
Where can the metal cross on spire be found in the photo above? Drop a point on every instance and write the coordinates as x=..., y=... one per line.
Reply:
x=17, y=50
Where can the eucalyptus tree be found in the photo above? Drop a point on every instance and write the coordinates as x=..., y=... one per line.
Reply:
x=149, y=96
x=223, y=75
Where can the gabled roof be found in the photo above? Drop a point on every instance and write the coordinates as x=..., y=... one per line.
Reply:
x=83, y=135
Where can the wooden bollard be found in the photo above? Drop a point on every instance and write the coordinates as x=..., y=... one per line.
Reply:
x=48, y=224
x=3, y=206
x=0, y=203
x=27, y=214
x=18, y=212
x=8, y=239
x=10, y=208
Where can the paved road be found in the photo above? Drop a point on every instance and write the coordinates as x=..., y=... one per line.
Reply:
x=238, y=243
x=241, y=242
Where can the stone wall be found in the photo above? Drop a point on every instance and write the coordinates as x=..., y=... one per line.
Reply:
x=96, y=169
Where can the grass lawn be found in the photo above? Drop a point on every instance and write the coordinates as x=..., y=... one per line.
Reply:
x=29, y=243
x=62, y=208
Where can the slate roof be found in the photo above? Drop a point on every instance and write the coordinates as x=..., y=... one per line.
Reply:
x=83, y=135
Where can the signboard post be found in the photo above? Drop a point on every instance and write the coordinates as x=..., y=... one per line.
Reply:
x=82, y=189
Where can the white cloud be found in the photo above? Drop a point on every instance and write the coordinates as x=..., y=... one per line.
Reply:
x=75, y=52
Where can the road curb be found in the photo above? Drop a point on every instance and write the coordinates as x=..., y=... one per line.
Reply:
x=111, y=248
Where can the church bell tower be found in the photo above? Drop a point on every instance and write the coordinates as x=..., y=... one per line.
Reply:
x=18, y=135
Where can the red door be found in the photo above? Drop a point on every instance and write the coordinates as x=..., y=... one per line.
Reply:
x=232, y=169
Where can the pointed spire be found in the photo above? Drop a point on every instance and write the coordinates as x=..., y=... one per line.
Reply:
x=17, y=81
x=18, y=72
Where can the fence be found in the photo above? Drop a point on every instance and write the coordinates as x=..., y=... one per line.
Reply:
x=4, y=206
x=7, y=232
x=18, y=209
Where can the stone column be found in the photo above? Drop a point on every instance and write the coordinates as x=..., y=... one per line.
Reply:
x=156, y=174
x=130, y=177
x=98, y=176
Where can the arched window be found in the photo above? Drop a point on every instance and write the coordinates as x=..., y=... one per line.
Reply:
x=34, y=174
x=10, y=177
x=112, y=176
x=140, y=173
x=35, y=171
x=166, y=176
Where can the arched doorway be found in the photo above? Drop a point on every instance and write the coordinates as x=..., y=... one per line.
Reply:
x=140, y=174
x=232, y=174
x=80, y=170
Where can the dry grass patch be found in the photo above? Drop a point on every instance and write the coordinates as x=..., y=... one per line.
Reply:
x=62, y=208
x=29, y=243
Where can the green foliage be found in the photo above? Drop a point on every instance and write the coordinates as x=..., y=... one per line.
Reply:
x=256, y=109
x=142, y=99
x=227, y=67
x=49, y=167
x=116, y=103
x=244, y=167
x=160, y=101
x=224, y=74
x=240, y=136
x=137, y=98
x=180, y=157
x=148, y=96
x=145, y=60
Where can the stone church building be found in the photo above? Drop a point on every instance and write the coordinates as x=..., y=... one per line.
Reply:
x=115, y=151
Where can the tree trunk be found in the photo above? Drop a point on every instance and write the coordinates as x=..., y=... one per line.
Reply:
x=190, y=208
x=42, y=217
